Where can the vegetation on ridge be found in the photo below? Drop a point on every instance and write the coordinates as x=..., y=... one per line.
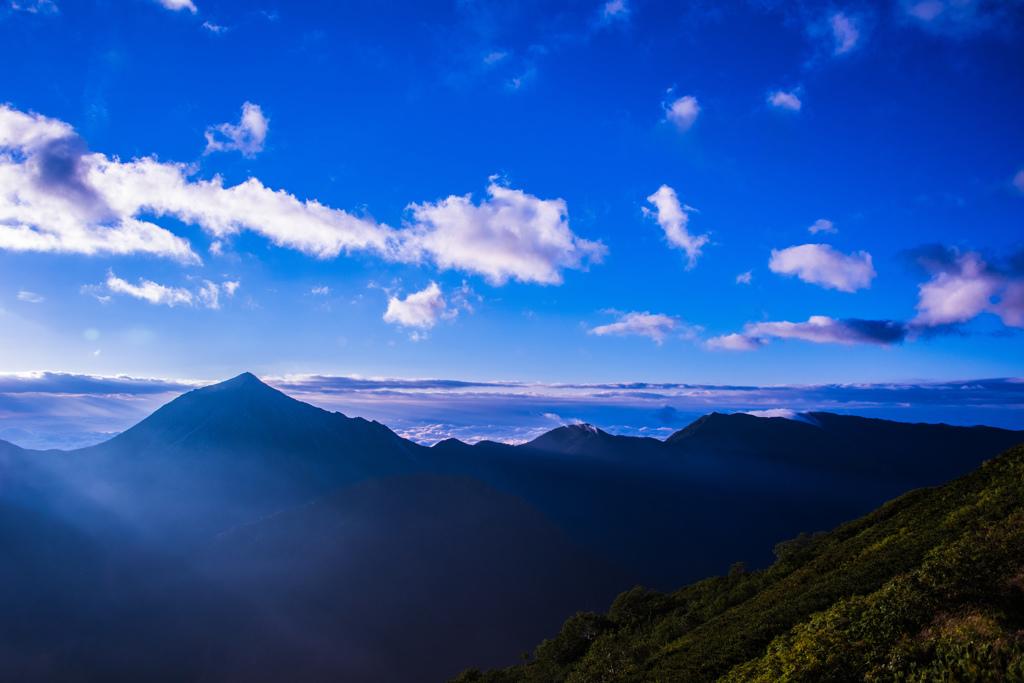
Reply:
x=928, y=588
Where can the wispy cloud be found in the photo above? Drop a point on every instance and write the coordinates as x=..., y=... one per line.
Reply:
x=36, y=7
x=745, y=278
x=926, y=10
x=682, y=112
x=784, y=100
x=820, y=264
x=962, y=17
x=150, y=291
x=178, y=5
x=734, y=342
x=208, y=294
x=822, y=225
x=613, y=11
x=844, y=32
x=673, y=219
x=246, y=137
x=31, y=297
x=1018, y=181
x=657, y=326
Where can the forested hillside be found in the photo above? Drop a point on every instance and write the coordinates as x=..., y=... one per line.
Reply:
x=929, y=587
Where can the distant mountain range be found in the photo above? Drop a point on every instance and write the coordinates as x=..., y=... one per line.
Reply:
x=239, y=534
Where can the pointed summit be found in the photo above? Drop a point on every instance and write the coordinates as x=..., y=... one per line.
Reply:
x=237, y=451
x=244, y=382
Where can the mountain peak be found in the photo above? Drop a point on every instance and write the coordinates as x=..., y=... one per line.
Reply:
x=245, y=381
x=567, y=438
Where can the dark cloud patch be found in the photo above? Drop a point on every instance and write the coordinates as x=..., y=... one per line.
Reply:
x=67, y=383
x=929, y=259
x=877, y=331
x=669, y=416
x=58, y=169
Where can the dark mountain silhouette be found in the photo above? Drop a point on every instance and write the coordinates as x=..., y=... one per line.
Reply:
x=846, y=443
x=587, y=441
x=224, y=455
x=723, y=489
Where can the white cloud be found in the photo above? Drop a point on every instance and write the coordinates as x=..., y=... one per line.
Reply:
x=823, y=329
x=512, y=235
x=656, y=326
x=745, y=278
x=150, y=291
x=965, y=288
x=1018, y=181
x=208, y=293
x=682, y=112
x=787, y=413
x=214, y=28
x=785, y=100
x=460, y=297
x=323, y=289
x=734, y=342
x=247, y=137
x=844, y=30
x=494, y=57
x=820, y=264
x=178, y=4
x=31, y=297
x=822, y=225
x=673, y=219
x=56, y=196
x=420, y=309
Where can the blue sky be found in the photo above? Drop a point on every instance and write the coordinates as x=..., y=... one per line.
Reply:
x=536, y=194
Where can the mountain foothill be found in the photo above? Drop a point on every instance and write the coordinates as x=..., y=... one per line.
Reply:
x=237, y=534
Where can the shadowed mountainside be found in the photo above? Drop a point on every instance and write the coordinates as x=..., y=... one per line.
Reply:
x=722, y=490
x=218, y=457
x=396, y=579
x=925, y=588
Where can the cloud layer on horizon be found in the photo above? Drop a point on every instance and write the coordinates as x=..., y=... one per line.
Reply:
x=63, y=408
